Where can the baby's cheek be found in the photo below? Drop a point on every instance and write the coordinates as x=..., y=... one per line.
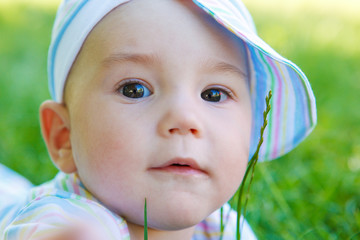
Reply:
x=233, y=174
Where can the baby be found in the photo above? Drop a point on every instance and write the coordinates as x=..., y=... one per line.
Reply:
x=159, y=100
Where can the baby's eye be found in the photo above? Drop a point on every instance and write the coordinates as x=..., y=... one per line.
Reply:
x=134, y=90
x=214, y=95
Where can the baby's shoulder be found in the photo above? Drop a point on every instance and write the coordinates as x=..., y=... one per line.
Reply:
x=49, y=209
x=50, y=199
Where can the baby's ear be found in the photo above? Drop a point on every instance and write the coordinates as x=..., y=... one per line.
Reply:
x=55, y=128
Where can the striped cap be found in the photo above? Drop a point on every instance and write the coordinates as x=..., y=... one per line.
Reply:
x=293, y=114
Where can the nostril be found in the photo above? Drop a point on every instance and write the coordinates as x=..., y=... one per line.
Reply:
x=194, y=131
x=173, y=130
x=177, y=130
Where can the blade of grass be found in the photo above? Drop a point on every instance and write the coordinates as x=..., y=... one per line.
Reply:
x=145, y=222
x=268, y=107
x=221, y=222
x=251, y=168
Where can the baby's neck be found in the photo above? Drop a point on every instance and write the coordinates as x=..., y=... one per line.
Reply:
x=137, y=233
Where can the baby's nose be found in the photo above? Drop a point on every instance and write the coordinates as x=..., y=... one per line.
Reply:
x=183, y=127
x=182, y=118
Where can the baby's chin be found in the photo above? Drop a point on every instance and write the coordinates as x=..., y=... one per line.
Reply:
x=174, y=218
x=174, y=221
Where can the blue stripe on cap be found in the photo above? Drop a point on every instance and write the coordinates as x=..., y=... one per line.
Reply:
x=55, y=48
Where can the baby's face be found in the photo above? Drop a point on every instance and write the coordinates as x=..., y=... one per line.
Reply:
x=160, y=109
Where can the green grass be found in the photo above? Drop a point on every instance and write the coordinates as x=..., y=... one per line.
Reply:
x=311, y=193
x=24, y=38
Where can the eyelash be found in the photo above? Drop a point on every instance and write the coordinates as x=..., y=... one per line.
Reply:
x=129, y=81
x=210, y=94
x=227, y=91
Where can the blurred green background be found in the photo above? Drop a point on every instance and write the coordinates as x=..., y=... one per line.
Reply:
x=311, y=193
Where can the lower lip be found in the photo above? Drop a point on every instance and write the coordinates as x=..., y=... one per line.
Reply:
x=182, y=170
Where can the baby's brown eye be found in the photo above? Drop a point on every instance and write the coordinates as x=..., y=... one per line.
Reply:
x=213, y=95
x=135, y=90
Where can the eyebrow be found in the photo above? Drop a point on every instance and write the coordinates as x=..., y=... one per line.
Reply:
x=222, y=66
x=147, y=59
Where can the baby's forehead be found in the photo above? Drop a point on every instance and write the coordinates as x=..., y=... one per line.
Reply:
x=173, y=34
x=172, y=28
x=139, y=17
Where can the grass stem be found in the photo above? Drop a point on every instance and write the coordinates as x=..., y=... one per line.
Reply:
x=145, y=222
x=250, y=169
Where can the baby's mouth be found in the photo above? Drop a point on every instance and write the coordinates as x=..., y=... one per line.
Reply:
x=183, y=166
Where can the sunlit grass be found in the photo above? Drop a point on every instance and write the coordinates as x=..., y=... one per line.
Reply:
x=325, y=24
x=24, y=37
x=346, y=8
x=311, y=193
x=42, y=4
